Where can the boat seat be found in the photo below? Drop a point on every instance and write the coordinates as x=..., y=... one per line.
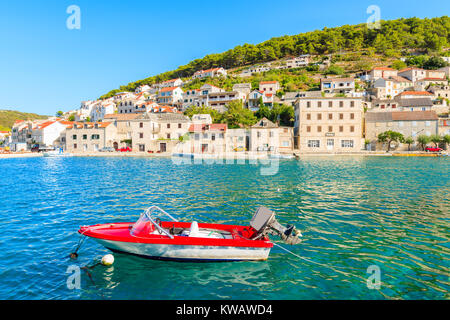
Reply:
x=194, y=231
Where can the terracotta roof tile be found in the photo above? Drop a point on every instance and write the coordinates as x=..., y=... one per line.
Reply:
x=415, y=93
x=212, y=127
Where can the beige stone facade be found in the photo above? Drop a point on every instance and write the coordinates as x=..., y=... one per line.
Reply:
x=444, y=126
x=158, y=132
x=409, y=123
x=268, y=136
x=124, y=129
x=89, y=136
x=328, y=125
x=207, y=139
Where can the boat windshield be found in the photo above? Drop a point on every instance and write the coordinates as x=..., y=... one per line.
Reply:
x=143, y=227
x=148, y=223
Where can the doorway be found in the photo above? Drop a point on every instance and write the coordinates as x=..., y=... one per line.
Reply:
x=330, y=144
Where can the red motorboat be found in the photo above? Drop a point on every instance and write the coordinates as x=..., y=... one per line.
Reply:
x=150, y=237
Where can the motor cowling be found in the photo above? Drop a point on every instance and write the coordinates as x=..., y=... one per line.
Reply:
x=264, y=223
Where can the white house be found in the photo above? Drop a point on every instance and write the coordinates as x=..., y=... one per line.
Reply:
x=255, y=69
x=213, y=72
x=245, y=88
x=390, y=87
x=191, y=98
x=169, y=95
x=219, y=100
x=171, y=83
x=143, y=88
x=413, y=74
x=201, y=119
x=269, y=86
x=298, y=62
x=100, y=110
x=47, y=133
x=255, y=96
x=337, y=85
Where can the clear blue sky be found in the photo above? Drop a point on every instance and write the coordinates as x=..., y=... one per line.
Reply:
x=46, y=67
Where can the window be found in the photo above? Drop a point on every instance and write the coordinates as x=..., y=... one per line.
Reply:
x=319, y=104
x=141, y=124
x=308, y=116
x=308, y=129
x=319, y=116
x=168, y=126
x=352, y=116
x=84, y=136
x=179, y=126
x=258, y=134
x=330, y=104
x=313, y=143
x=74, y=145
x=341, y=116
x=270, y=134
x=142, y=147
x=341, y=104
x=330, y=142
x=74, y=137
x=330, y=116
x=308, y=104
x=330, y=128
x=352, y=128
x=341, y=128
x=95, y=137
x=213, y=136
x=197, y=136
x=347, y=143
x=168, y=136
x=319, y=128
x=141, y=135
x=352, y=104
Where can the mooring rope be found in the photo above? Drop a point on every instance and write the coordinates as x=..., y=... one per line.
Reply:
x=311, y=261
x=82, y=239
x=87, y=268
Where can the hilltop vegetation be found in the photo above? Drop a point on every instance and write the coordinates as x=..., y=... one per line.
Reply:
x=289, y=79
x=7, y=118
x=393, y=39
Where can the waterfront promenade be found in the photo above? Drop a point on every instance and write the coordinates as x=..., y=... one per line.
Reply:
x=240, y=155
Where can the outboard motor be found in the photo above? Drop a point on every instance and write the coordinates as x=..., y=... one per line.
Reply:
x=264, y=223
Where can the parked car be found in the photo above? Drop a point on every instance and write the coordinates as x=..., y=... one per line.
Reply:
x=107, y=149
x=125, y=149
x=433, y=149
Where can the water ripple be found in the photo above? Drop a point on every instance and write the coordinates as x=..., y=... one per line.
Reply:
x=353, y=213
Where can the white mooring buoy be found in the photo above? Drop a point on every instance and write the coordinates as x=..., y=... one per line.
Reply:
x=107, y=260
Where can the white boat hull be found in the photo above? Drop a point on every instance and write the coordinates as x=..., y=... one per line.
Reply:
x=56, y=155
x=187, y=252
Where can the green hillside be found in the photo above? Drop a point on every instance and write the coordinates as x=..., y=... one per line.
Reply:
x=395, y=38
x=7, y=118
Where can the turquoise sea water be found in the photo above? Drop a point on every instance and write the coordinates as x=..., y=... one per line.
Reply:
x=354, y=212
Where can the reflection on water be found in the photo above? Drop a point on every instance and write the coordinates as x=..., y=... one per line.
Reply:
x=169, y=280
x=353, y=212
